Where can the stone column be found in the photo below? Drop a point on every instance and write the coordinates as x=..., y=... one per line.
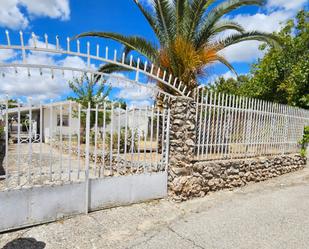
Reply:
x=182, y=146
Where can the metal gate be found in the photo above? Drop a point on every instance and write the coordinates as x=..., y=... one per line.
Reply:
x=65, y=158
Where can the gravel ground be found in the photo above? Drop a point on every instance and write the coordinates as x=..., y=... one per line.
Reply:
x=271, y=214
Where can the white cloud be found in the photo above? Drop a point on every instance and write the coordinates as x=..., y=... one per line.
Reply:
x=286, y=4
x=228, y=74
x=6, y=54
x=278, y=12
x=246, y=51
x=50, y=8
x=13, y=17
x=40, y=87
x=264, y=22
x=136, y=95
x=214, y=77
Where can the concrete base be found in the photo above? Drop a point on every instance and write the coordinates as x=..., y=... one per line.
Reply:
x=40, y=204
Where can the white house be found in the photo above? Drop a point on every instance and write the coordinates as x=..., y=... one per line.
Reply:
x=50, y=121
x=51, y=116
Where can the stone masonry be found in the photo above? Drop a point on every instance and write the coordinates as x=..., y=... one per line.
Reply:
x=182, y=138
x=188, y=178
x=209, y=176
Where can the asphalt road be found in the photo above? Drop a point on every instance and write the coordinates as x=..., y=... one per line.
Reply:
x=271, y=214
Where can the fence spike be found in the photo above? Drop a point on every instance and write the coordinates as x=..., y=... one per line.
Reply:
x=137, y=71
x=145, y=66
x=175, y=81
x=8, y=37
x=98, y=50
x=170, y=79
x=88, y=54
x=22, y=46
x=179, y=85
x=68, y=44
x=131, y=60
x=46, y=40
x=151, y=70
x=158, y=72
x=123, y=57
x=78, y=46
x=164, y=75
x=106, y=53
x=57, y=42
x=33, y=39
x=115, y=55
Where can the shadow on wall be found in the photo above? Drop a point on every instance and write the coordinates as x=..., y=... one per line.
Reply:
x=25, y=243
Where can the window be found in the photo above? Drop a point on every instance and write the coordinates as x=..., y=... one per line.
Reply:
x=65, y=120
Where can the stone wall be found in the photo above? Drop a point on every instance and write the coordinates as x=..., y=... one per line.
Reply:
x=182, y=137
x=210, y=176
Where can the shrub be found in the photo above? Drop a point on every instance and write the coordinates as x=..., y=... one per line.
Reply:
x=304, y=141
x=122, y=139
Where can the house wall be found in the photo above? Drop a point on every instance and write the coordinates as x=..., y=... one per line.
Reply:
x=52, y=130
x=136, y=120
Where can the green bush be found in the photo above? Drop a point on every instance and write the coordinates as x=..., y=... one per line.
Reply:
x=122, y=139
x=305, y=141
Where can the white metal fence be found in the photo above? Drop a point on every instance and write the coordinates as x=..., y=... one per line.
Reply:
x=65, y=142
x=230, y=126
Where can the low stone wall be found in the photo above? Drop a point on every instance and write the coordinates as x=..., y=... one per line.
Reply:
x=210, y=176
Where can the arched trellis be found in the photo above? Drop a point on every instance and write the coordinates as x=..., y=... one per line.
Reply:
x=152, y=72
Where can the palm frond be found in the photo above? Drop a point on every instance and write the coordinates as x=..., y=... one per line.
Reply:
x=150, y=19
x=196, y=12
x=226, y=25
x=251, y=36
x=216, y=13
x=222, y=60
x=180, y=9
x=166, y=18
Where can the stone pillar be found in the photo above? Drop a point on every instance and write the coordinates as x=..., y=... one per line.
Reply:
x=182, y=145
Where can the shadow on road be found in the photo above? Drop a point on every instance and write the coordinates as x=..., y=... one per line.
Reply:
x=25, y=243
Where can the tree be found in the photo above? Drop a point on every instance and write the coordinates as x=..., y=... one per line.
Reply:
x=230, y=85
x=186, y=30
x=88, y=91
x=283, y=75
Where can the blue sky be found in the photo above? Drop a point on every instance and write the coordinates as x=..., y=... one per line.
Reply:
x=68, y=18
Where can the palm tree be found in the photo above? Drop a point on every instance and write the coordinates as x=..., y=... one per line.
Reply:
x=187, y=32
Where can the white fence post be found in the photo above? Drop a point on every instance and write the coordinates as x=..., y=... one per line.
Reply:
x=167, y=143
x=87, y=158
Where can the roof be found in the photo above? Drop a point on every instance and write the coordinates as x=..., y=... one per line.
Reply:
x=36, y=107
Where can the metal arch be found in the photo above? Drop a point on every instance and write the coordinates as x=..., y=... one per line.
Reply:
x=177, y=86
x=15, y=66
